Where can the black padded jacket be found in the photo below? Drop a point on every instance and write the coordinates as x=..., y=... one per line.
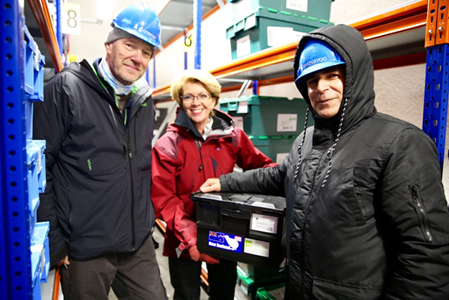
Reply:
x=379, y=228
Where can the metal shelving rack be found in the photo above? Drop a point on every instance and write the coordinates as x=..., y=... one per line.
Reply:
x=437, y=63
x=24, y=253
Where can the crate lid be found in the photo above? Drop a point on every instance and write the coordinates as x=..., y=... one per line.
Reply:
x=251, y=99
x=256, y=99
x=255, y=203
x=274, y=14
x=272, y=137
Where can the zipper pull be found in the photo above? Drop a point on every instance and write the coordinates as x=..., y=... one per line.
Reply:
x=130, y=155
x=414, y=192
x=201, y=167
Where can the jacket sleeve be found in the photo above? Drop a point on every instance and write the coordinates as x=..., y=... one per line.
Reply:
x=167, y=205
x=268, y=181
x=268, y=178
x=249, y=157
x=416, y=209
x=49, y=124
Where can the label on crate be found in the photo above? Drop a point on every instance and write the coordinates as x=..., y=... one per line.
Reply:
x=243, y=107
x=297, y=4
x=255, y=247
x=225, y=241
x=277, y=36
x=250, y=21
x=264, y=223
x=287, y=122
x=210, y=196
x=263, y=204
x=280, y=157
x=238, y=121
x=243, y=46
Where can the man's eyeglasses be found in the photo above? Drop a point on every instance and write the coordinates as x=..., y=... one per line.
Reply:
x=188, y=98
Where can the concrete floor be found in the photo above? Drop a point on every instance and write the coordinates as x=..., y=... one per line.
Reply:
x=47, y=288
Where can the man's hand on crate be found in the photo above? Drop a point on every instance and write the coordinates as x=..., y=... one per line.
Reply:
x=211, y=185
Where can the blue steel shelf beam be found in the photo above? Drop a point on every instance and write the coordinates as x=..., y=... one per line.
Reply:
x=436, y=83
x=197, y=19
x=59, y=26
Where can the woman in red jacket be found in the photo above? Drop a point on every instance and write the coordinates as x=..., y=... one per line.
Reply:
x=202, y=143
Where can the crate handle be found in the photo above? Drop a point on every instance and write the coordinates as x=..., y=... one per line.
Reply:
x=235, y=213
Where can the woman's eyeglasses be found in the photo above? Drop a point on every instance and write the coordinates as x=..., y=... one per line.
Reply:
x=188, y=98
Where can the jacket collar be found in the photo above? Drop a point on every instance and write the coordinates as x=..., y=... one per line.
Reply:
x=223, y=124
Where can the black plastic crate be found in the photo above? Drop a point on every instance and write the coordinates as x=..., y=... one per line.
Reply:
x=243, y=227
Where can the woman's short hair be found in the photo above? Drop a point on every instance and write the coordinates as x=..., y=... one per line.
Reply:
x=207, y=79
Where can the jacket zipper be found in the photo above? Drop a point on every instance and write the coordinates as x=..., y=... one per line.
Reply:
x=199, y=150
x=303, y=234
x=201, y=159
x=135, y=133
x=424, y=221
x=130, y=156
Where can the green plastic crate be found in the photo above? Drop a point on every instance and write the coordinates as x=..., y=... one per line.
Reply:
x=259, y=274
x=267, y=27
x=255, y=281
x=319, y=9
x=267, y=116
x=275, y=147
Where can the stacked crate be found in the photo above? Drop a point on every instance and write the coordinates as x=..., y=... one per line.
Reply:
x=261, y=283
x=272, y=123
x=260, y=24
x=35, y=161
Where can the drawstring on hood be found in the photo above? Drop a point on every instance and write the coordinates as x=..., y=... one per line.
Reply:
x=330, y=152
x=302, y=143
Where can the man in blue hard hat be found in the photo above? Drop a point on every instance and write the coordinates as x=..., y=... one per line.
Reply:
x=98, y=122
x=366, y=215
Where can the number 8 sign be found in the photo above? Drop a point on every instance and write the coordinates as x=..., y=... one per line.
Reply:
x=71, y=19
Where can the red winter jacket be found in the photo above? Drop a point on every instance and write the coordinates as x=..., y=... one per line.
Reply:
x=182, y=161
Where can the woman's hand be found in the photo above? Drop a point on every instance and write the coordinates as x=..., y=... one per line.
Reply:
x=195, y=255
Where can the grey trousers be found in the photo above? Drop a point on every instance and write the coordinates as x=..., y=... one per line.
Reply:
x=92, y=279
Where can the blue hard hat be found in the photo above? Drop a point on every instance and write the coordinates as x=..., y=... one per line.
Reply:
x=315, y=56
x=140, y=20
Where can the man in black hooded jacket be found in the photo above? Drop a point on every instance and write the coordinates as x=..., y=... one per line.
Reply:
x=366, y=212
